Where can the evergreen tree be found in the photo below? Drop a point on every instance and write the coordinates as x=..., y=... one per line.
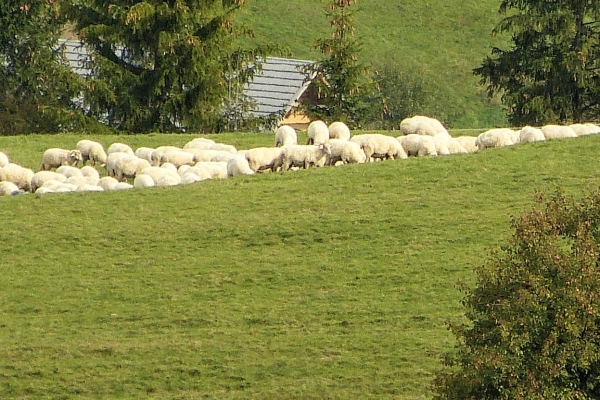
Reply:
x=340, y=80
x=37, y=87
x=551, y=73
x=533, y=328
x=163, y=65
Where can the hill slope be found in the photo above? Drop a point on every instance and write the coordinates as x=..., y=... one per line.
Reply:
x=438, y=41
x=326, y=283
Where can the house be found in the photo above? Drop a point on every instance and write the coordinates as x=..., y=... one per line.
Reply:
x=275, y=89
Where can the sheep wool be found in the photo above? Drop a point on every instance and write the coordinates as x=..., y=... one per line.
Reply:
x=119, y=148
x=552, y=132
x=305, y=156
x=263, y=158
x=18, y=175
x=317, y=133
x=8, y=189
x=531, y=134
x=285, y=135
x=378, y=146
x=3, y=160
x=418, y=145
x=238, y=166
x=339, y=130
x=54, y=158
x=92, y=151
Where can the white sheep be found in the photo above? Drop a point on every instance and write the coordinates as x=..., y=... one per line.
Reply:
x=418, y=145
x=468, y=143
x=191, y=178
x=305, y=156
x=223, y=147
x=225, y=156
x=201, y=155
x=421, y=125
x=156, y=173
x=145, y=153
x=376, y=145
x=8, y=189
x=552, y=132
x=90, y=172
x=127, y=166
x=177, y=157
x=113, y=160
x=441, y=144
x=92, y=151
x=285, y=135
x=143, y=181
x=264, y=158
x=339, y=130
x=199, y=143
x=317, y=133
x=497, y=137
x=69, y=171
x=216, y=170
x=196, y=174
x=4, y=161
x=119, y=148
x=531, y=134
x=585, y=129
x=107, y=183
x=18, y=175
x=238, y=166
x=345, y=151
x=54, y=158
x=123, y=186
x=168, y=180
x=39, y=178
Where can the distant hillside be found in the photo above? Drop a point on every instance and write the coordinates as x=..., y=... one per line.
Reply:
x=440, y=41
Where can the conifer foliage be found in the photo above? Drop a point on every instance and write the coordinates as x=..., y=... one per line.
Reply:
x=551, y=72
x=163, y=65
x=533, y=328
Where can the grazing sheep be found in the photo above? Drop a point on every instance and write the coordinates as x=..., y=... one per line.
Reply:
x=585, y=129
x=156, y=173
x=441, y=145
x=225, y=156
x=418, y=145
x=191, y=178
x=126, y=166
x=177, y=157
x=264, y=158
x=43, y=190
x=318, y=133
x=468, y=143
x=107, y=183
x=552, y=132
x=18, y=175
x=143, y=181
x=380, y=146
x=8, y=189
x=39, y=178
x=144, y=153
x=530, y=134
x=113, y=160
x=54, y=158
x=305, y=156
x=345, y=151
x=339, y=130
x=90, y=172
x=285, y=135
x=201, y=155
x=238, y=166
x=90, y=188
x=119, y=148
x=156, y=157
x=92, y=151
x=69, y=171
x=199, y=143
x=3, y=160
x=497, y=137
x=216, y=170
x=60, y=187
x=223, y=147
x=421, y=125
x=122, y=186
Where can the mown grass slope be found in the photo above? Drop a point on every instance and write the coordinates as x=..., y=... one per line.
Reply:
x=326, y=283
x=438, y=42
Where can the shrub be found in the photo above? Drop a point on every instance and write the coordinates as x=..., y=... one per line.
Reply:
x=533, y=328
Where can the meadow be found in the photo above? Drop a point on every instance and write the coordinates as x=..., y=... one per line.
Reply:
x=318, y=284
x=436, y=43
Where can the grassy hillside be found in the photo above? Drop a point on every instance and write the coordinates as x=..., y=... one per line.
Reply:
x=438, y=41
x=326, y=283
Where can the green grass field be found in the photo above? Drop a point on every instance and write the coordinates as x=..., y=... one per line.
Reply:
x=438, y=42
x=320, y=284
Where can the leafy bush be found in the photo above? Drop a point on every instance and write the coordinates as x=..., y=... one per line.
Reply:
x=533, y=328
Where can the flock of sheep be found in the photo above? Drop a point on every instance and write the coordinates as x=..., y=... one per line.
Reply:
x=202, y=159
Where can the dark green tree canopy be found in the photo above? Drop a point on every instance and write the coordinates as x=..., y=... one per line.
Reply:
x=551, y=72
x=37, y=87
x=533, y=328
x=163, y=65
